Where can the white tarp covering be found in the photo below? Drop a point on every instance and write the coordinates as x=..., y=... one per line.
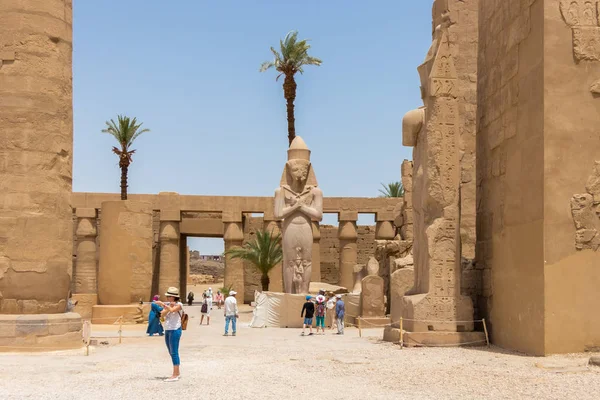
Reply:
x=281, y=310
x=259, y=315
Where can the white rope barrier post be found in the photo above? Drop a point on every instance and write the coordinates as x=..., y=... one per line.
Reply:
x=487, y=339
x=120, y=329
x=87, y=333
x=401, y=334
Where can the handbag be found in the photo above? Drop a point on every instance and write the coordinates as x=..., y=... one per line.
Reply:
x=184, y=320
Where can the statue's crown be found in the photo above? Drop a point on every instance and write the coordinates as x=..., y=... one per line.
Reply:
x=298, y=150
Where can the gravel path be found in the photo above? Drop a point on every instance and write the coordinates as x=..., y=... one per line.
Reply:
x=280, y=364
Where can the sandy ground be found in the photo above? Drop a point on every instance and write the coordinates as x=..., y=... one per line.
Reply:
x=280, y=364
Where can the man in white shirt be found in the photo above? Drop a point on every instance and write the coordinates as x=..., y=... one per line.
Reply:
x=231, y=312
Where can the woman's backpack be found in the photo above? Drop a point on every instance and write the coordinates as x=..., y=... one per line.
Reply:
x=204, y=308
x=184, y=320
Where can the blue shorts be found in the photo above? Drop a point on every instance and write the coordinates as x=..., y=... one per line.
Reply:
x=321, y=321
x=307, y=321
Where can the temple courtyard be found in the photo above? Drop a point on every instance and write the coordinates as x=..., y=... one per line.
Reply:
x=274, y=363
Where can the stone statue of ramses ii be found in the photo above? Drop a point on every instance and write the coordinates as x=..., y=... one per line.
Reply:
x=298, y=201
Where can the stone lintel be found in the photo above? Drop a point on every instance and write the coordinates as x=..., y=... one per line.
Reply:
x=269, y=215
x=86, y=213
x=348, y=215
x=232, y=216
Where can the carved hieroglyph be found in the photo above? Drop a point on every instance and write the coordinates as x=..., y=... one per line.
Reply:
x=585, y=209
x=582, y=17
x=298, y=200
x=433, y=130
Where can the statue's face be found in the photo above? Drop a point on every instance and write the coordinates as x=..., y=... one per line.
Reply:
x=298, y=169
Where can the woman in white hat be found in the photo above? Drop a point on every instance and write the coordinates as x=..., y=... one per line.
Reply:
x=172, y=311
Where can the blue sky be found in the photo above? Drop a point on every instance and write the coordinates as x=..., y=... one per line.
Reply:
x=218, y=126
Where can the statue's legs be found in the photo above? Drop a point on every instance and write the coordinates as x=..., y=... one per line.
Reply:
x=297, y=245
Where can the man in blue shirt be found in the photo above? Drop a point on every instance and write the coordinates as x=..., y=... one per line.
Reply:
x=340, y=311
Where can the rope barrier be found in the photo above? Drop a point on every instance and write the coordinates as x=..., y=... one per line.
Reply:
x=400, y=322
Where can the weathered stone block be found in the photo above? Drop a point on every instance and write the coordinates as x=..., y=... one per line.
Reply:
x=372, y=297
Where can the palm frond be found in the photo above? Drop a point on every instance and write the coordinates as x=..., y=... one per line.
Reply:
x=263, y=251
x=292, y=55
x=393, y=189
x=125, y=131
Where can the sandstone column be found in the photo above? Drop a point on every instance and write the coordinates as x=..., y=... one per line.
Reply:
x=276, y=274
x=169, y=237
x=125, y=265
x=86, y=264
x=348, y=235
x=316, y=252
x=36, y=155
x=234, y=236
x=86, y=268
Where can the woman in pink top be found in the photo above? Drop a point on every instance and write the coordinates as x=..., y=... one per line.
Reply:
x=219, y=299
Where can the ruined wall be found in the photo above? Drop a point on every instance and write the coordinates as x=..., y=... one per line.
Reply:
x=330, y=250
x=36, y=154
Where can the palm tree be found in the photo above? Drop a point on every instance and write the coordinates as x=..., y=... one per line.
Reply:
x=125, y=131
x=393, y=189
x=294, y=55
x=264, y=251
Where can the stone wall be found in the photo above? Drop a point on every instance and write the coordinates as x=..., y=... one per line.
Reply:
x=509, y=147
x=537, y=145
x=330, y=250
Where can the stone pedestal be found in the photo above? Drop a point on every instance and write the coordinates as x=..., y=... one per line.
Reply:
x=43, y=332
x=86, y=263
x=276, y=274
x=234, y=267
x=348, y=236
x=130, y=313
x=125, y=267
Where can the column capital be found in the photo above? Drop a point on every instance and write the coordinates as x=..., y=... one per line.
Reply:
x=233, y=232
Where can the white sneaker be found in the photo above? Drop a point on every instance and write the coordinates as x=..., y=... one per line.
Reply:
x=172, y=379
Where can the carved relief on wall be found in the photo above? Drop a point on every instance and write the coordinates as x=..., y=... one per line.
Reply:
x=583, y=18
x=585, y=209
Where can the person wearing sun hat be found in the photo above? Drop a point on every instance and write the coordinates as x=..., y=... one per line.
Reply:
x=320, y=313
x=231, y=312
x=172, y=311
x=309, y=308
